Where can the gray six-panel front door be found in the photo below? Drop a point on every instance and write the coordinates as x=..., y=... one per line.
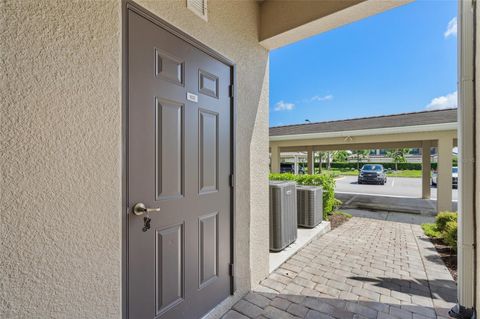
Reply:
x=179, y=149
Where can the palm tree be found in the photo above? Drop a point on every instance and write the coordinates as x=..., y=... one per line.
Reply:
x=398, y=155
x=360, y=154
x=340, y=156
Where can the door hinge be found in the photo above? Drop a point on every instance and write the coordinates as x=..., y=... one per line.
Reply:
x=230, y=90
x=232, y=180
x=231, y=269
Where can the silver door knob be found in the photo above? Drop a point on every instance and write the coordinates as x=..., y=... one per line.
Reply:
x=140, y=209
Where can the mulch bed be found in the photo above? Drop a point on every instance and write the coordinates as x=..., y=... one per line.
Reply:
x=337, y=220
x=448, y=255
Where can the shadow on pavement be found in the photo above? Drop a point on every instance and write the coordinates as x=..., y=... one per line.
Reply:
x=435, y=258
x=445, y=289
x=311, y=304
x=415, y=219
x=388, y=203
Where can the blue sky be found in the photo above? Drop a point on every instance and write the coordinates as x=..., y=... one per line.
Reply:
x=402, y=60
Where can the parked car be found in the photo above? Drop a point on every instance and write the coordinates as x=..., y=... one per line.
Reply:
x=372, y=173
x=290, y=168
x=434, y=178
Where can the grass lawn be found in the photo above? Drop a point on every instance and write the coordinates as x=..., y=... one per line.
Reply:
x=406, y=173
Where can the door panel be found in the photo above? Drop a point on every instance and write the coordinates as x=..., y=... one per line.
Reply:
x=169, y=149
x=207, y=153
x=208, y=248
x=179, y=152
x=171, y=68
x=169, y=274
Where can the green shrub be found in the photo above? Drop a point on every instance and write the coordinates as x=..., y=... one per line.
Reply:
x=283, y=177
x=401, y=166
x=449, y=234
x=431, y=230
x=337, y=203
x=445, y=228
x=388, y=165
x=443, y=218
x=327, y=182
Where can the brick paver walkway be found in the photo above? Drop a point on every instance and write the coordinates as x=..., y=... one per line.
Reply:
x=364, y=269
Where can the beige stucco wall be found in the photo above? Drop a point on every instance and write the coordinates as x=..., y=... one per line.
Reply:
x=60, y=152
x=60, y=222
x=259, y=170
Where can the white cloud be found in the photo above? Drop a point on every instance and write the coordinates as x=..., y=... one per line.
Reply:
x=443, y=102
x=284, y=106
x=321, y=98
x=451, y=28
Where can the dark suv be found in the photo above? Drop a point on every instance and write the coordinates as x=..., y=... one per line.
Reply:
x=290, y=168
x=372, y=173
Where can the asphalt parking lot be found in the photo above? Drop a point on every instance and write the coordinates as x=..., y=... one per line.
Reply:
x=395, y=186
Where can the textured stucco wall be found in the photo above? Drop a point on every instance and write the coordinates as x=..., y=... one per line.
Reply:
x=60, y=221
x=259, y=170
x=60, y=155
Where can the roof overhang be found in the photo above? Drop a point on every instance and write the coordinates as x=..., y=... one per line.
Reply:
x=368, y=132
x=283, y=22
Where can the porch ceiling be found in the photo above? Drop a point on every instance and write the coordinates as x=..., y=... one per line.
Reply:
x=284, y=22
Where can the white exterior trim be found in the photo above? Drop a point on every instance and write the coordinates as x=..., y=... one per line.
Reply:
x=366, y=132
x=467, y=287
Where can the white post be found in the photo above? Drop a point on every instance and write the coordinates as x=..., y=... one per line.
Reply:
x=320, y=162
x=275, y=159
x=295, y=164
x=426, y=170
x=466, y=159
x=310, y=160
x=444, y=183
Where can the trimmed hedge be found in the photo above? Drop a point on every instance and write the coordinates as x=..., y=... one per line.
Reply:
x=325, y=180
x=449, y=235
x=401, y=166
x=444, y=218
x=388, y=165
x=353, y=165
x=444, y=228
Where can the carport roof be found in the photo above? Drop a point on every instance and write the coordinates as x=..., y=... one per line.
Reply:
x=367, y=123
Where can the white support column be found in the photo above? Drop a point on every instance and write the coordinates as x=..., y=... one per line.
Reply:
x=310, y=160
x=295, y=164
x=467, y=281
x=426, y=170
x=320, y=162
x=444, y=183
x=275, y=159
